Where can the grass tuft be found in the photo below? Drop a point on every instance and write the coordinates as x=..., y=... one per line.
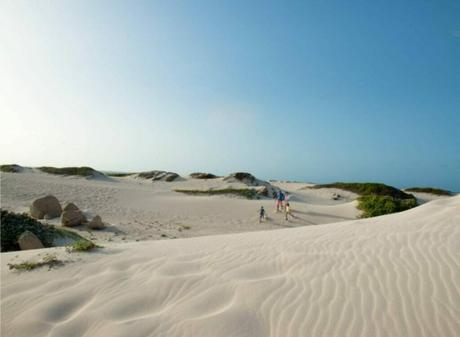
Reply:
x=82, y=246
x=49, y=260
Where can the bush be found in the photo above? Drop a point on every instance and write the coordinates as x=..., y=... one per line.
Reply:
x=200, y=175
x=375, y=205
x=82, y=246
x=431, y=190
x=247, y=193
x=11, y=168
x=119, y=175
x=13, y=225
x=71, y=171
x=368, y=189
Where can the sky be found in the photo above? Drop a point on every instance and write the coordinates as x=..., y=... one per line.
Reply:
x=317, y=91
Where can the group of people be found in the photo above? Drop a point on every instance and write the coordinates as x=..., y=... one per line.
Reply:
x=282, y=204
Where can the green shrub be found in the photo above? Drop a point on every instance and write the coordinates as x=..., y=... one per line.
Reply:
x=375, y=205
x=82, y=246
x=11, y=168
x=200, y=175
x=247, y=193
x=431, y=190
x=71, y=171
x=368, y=189
x=13, y=225
x=120, y=175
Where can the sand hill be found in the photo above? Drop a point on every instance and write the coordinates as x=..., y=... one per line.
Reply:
x=395, y=275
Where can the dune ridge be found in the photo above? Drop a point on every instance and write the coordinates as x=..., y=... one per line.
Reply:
x=395, y=275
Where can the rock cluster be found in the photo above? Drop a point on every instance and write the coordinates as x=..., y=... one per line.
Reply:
x=49, y=207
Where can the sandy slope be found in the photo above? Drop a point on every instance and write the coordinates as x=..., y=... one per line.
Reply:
x=142, y=210
x=396, y=275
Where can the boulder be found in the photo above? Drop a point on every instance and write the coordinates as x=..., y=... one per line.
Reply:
x=48, y=206
x=96, y=223
x=29, y=240
x=70, y=207
x=72, y=218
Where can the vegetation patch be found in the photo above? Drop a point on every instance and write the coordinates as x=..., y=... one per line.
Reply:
x=368, y=189
x=247, y=193
x=13, y=225
x=120, y=174
x=200, y=175
x=83, y=171
x=82, y=246
x=11, y=168
x=431, y=190
x=49, y=260
x=375, y=205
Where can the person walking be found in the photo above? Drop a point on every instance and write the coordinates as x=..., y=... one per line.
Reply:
x=287, y=211
x=279, y=201
x=261, y=214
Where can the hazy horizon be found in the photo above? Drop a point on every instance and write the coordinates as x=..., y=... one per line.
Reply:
x=311, y=91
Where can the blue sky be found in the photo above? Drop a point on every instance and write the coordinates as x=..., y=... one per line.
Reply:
x=311, y=90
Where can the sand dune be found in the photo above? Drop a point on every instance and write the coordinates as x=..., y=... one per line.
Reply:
x=139, y=209
x=395, y=275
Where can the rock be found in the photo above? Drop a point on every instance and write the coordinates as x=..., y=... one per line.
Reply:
x=29, y=240
x=48, y=206
x=70, y=207
x=72, y=218
x=96, y=223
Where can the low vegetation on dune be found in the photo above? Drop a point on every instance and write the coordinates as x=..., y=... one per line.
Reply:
x=49, y=260
x=201, y=175
x=247, y=193
x=13, y=225
x=159, y=175
x=82, y=246
x=375, y=205
x=368, y=189
x=431, y=190
x=376, y=199
x=120, y=174
x=11, y=168
x=83, y=171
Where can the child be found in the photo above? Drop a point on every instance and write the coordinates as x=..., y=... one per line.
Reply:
x=287, y=211
x=261, y=214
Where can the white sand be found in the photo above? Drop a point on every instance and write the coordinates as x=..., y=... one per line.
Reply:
x=396, y=275
x=142, y=210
